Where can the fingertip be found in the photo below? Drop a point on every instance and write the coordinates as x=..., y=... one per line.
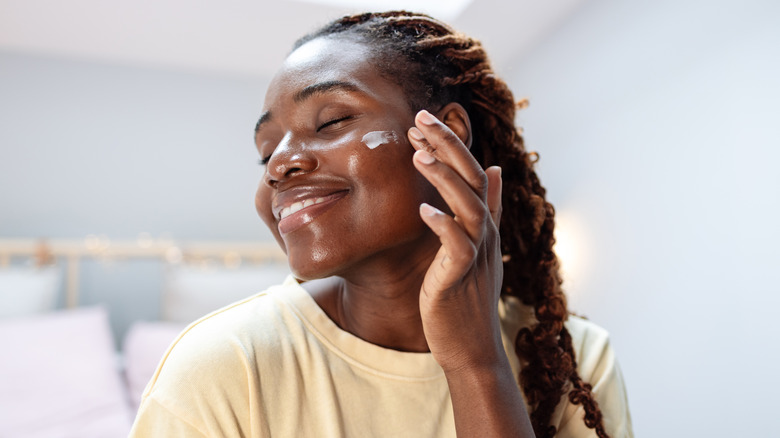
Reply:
x=426, y=118
x=415, y=134
x=429, y=210
x=494, y=169
x=424, y=157
x=494, y=176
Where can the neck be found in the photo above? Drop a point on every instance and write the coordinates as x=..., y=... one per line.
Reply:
x=379, y=304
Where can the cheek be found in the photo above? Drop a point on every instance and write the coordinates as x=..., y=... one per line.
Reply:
x=263, y=206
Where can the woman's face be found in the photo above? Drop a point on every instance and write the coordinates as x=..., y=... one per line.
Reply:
x=339, y=191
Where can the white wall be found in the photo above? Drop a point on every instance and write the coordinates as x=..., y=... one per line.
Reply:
x=657, y=124
x=88, y=148
x=92, y=148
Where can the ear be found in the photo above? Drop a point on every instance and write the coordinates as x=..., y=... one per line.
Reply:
x=457, y=119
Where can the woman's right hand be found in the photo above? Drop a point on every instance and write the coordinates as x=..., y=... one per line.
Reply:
x=460, y=292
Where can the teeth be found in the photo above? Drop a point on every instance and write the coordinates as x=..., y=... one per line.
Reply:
x=298, y=206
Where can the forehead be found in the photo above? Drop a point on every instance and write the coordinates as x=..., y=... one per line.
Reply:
x=327, y=59
x=324, y=50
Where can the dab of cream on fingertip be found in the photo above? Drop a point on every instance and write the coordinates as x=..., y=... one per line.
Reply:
x=374, y=139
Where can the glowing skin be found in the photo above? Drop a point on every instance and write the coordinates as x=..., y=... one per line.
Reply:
x=337, y=202
x=378, y=138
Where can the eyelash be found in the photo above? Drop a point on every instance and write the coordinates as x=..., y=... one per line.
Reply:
x=265, y=160
x=332, y=122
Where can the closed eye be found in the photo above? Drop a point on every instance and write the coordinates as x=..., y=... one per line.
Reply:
x=333, y=122
x=264, y=161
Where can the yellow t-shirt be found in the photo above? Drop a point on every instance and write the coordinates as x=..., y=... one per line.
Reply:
x=275, y=365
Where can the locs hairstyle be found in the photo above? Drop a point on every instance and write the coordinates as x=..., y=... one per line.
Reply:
x=436, y=65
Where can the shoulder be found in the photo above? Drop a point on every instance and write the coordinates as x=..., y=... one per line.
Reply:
x=213, y=364
x=590, y=342
x=226, y=336
x=597, y=365
x=592, y=347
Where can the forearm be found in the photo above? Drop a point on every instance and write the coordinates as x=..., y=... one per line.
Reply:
x=487, y=403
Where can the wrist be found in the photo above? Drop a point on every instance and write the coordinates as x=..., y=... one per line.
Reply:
x=487, y=401
x=489, y=362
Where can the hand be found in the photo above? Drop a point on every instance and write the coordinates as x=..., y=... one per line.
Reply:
x=460, y=291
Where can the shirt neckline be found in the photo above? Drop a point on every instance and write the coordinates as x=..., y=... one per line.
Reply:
x=371, y=358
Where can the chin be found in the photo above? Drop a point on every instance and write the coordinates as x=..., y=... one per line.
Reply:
x=304, y=267
x=309, y=274
x=316, y=263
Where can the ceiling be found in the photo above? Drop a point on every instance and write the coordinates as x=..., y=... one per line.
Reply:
x=232, y=37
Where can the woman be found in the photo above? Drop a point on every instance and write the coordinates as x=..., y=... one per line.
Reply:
x=387, y=142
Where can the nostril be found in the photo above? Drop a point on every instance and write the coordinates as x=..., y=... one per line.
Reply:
x=292, y=171
x=269, y=180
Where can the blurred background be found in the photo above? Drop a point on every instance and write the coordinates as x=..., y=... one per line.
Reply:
x=127, y=160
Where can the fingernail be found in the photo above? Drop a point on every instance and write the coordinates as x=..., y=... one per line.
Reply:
x=424, y=157
x=427, y=210
x=416, y=134
x=426, y=118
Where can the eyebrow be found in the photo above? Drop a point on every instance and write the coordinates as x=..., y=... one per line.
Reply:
x=311, y=90
x=323, y=87
x=263, y=119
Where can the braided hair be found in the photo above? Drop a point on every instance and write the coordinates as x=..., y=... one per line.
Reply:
x=436, y=65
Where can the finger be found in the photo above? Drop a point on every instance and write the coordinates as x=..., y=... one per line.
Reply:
x=457, y=252
x=469, y=210
x=437, y=138
x=494, y=193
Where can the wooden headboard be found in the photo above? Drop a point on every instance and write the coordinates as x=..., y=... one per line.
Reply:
x=72, y=251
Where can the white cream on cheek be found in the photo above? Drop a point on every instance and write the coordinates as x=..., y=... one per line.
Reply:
x=374, y=139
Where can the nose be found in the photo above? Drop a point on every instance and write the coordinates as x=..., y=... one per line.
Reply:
x=290, y=158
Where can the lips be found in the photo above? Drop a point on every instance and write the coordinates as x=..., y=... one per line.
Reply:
x=299, y=207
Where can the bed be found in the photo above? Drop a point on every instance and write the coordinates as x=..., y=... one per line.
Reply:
x=61, y=373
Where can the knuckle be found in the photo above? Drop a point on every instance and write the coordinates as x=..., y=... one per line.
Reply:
x=470, y=254
x=446, y=138
x=443, y=175
x=475, y=216
x=450, y=136
x=480, y=182
x=465, y=255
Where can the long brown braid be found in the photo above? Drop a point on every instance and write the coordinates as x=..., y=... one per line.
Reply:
x=436, y=65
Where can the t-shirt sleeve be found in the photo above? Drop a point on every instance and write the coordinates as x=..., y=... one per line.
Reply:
x=598, y=366
x=204, y=386
x=155, y=420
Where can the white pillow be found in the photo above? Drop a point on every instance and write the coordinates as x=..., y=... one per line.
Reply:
x=59, y=377
x=144, y=346
x=191, y=292
x=27, y=291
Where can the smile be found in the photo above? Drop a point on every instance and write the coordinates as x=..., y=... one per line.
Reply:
x=304, y=210
x=300, y=205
